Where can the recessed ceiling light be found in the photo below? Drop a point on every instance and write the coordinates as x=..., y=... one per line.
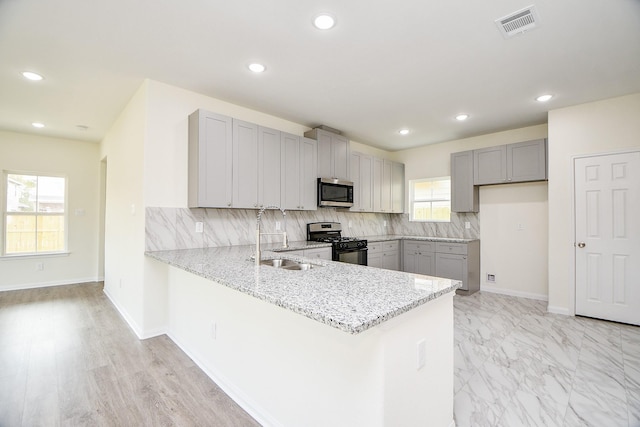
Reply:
x=37, y=125
x=404, y=131
x=257, y=68
x=544, y=98
x=324, y=21
x=30, y=75
x=462, y=117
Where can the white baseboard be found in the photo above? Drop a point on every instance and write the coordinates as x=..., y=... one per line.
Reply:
x=251, y=407
x=123, y=313
x=50, y=283
x=154, y=333
x=510, y=292
x=558, y=310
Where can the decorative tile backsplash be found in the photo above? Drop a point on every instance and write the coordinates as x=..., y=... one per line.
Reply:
x=175, y=228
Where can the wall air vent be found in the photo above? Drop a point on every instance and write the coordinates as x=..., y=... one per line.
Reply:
x=518, y=22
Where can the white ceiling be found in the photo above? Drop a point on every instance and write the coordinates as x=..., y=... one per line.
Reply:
x=386, y=65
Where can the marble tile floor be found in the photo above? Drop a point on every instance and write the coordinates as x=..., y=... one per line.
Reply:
x=517, y=365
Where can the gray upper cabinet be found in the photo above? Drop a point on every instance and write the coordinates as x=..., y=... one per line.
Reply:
x=361, y=170
x=464, y=195
x=397, y=187
x=309, y=173
x=382, y=185
x=210, y=160
x=520, y=162
x=245, y=164
x=378, y=184
x=527, y=161
x=269, y=167
x=333, y=154
x=298, y=173
x=490, y=165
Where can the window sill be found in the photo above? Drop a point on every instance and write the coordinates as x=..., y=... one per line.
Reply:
x=33, y=256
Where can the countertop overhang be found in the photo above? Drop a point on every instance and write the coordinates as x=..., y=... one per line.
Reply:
x=349, y=297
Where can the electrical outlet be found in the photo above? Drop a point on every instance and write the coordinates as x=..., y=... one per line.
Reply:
x=40, y=266
x=350, y=224
x=491, y=277
x=384, y=223
x=199, y=227
x=467, y=225
x=278, y=226
x=421, y=354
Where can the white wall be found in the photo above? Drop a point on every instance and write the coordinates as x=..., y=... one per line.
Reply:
x=79, y=161
x=517, y=217
x=123, y=149
x=598, y=127
x=502, y=207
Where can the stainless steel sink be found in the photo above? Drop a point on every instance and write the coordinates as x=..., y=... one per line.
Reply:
x=288, y=264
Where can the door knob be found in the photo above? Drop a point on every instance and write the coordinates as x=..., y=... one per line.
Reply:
x=582, y=244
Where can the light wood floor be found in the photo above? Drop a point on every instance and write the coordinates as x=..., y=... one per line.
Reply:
x=68, y=358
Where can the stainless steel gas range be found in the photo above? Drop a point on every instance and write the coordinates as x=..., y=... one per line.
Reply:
x=345, y=249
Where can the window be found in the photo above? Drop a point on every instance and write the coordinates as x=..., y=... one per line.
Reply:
x=430, y=199
x=34, y=217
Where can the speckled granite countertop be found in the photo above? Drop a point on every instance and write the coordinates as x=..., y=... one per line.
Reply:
x=348, y=297
x=424, y=238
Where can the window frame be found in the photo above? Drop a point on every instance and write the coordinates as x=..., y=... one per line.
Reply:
x=5, y=213
x=412, y=199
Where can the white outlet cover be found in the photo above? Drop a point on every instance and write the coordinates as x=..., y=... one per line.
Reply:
x=199, y=227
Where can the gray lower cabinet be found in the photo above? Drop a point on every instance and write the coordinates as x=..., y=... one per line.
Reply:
x=374, y=254
x=391, y=255
x=464, y=195
x=419, y=257
x=520, y=162
x=457, y=261
x=318, y=253
x=314, y=253
x=384, y=254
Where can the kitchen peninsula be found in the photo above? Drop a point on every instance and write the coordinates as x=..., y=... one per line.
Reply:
x=338, y=344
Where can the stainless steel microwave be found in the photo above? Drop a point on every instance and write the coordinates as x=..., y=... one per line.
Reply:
x=335, y=193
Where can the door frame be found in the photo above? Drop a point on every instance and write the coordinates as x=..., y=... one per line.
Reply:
x=572, y=272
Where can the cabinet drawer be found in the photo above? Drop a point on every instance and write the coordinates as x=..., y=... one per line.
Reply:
x=419, y=246
x=390, y=246
x=452, y=248
x=319, y=253
x=374, y=248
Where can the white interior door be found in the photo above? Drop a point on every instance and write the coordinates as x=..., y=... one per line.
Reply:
x=607, y=200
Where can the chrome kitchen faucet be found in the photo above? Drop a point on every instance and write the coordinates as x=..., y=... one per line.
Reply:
x=285, y=243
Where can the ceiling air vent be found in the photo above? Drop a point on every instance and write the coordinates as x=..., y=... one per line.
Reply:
x=518, y=22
